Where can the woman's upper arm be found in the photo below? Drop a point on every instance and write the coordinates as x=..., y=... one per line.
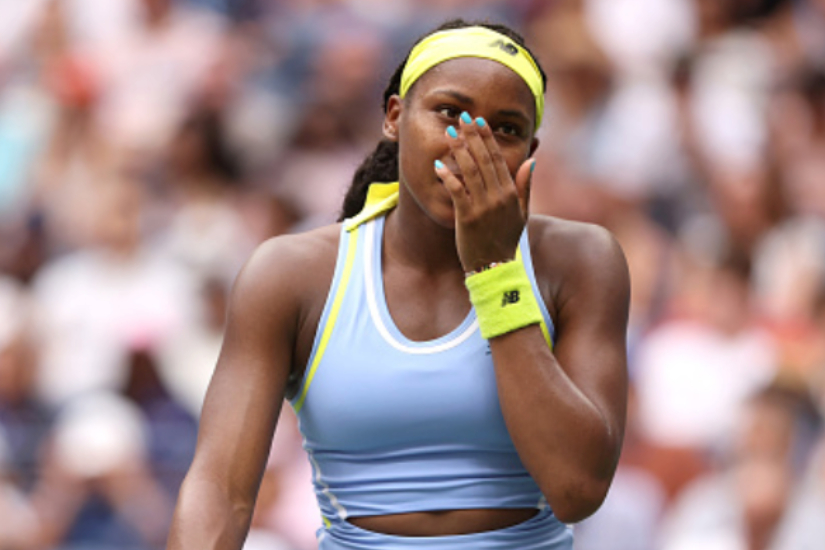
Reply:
x=591, y=302
x=247, y=389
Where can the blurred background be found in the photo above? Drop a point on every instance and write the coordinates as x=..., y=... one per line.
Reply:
x=147, y=146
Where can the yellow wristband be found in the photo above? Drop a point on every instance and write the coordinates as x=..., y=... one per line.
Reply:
x=503, y=299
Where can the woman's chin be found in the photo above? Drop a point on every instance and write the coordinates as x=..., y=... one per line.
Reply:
x=444, y=216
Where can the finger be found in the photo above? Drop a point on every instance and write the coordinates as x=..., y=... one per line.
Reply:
x=472, y=132
x=458, y=193
x=523, y=183
x=467, y=165
x=503, y=176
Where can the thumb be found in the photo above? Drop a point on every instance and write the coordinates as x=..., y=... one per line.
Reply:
x=523, y=182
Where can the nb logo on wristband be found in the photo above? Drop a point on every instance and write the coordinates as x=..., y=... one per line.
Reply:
x=510, y=297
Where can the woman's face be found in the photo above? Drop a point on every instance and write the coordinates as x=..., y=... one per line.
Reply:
x=481, y=87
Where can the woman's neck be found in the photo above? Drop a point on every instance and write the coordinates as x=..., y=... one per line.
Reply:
x=414, y=239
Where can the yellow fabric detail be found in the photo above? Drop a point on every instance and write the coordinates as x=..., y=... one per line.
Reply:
x=381, y=198
x=503, y=299
x=543, y=325
x=546, y=333
x=473, y=42
x=327, y=523
x=333, y=316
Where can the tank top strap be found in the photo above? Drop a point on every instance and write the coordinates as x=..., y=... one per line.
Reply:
x=523, y=252
x=344, y=265
x=381, y=198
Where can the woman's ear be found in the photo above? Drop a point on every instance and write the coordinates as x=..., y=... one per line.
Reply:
x=533, y=146
x=391, y=117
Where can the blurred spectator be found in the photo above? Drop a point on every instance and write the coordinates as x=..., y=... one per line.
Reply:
x=610, y=143
x=171, y=426
x=629, y=518
x=693, y=373
x=151, y=75
x=797, y=120
x=641, y=37
x=338, y=123
x=205, y=231
x=96, y=485
x=802, y=524
x=790, y=270
x=286, y=502
x=95, y=303
x=19, y=529
x=186, y=362
x=795, y=30
x=579, y=88
x=745, y=505
x=817, y=351
x=24, y=421
x=28, y=109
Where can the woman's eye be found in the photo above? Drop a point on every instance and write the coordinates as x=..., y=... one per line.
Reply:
x=510, y=130
x=449, y=112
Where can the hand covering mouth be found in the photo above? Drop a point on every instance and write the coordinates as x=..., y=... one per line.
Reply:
x=455, y=171
x=459, y=177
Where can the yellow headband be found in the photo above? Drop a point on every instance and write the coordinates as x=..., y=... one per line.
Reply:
x=473, y=42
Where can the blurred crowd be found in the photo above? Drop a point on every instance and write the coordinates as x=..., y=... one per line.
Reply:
x=147, y=146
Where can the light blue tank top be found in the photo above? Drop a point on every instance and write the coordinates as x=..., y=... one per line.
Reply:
x=393, y=425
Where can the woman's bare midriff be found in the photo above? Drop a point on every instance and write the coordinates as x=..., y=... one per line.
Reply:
x=441, y=523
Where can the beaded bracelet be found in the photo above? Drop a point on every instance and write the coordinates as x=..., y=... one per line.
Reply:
x=486, y=267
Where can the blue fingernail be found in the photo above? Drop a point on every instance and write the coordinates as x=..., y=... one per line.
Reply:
x=481, y=122
x=452, y=133
x=465, y=118
x=532, y=167
x=439, y=165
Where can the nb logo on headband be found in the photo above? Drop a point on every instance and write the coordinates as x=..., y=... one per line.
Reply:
x=506, y=47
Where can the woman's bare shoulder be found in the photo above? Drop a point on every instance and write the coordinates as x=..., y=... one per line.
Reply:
x=550, y=231
x=297, y=257
x=289, y=271
x=312, y=246
x=572, y=258
x=562, y=245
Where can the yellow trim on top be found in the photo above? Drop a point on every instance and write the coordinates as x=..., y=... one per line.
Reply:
x=542, y=324
x=546, y=334
x=381, y=198
x=333, y=315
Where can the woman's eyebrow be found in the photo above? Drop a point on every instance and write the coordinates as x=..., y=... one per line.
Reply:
x=467, y=100
x=461, y=98
x=510, y=113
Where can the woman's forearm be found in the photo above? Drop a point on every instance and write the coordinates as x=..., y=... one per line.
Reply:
x=206, y=518
x=564, y=440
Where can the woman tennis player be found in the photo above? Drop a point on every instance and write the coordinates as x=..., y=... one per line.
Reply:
x=457, y=366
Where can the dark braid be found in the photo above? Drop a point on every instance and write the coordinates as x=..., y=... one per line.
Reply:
x=382, y=164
